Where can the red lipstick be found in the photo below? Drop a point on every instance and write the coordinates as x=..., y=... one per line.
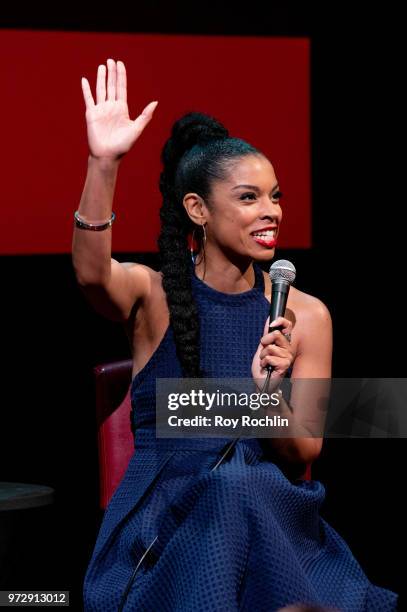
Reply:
x=266, y=241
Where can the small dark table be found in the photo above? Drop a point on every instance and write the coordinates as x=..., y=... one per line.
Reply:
x=18, y=495
x=16, y=498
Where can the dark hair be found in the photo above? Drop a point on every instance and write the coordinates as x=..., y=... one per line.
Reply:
x=198, y=152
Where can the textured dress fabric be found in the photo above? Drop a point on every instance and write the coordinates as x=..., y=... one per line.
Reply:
x=242, y=537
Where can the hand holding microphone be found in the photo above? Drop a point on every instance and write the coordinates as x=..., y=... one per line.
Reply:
x=274, y=354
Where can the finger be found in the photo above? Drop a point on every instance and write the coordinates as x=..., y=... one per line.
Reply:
x=281, y=322
x=87, y=94
x=121, y=92
x=111, y=79
x=269, y=337
x=273, y=349
x=283, y=338
x=101, y=84
x=270, y=360
x=145, y=116
x=277, y=362
x=275, y=337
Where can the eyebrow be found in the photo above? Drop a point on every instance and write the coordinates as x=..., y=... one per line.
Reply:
x=254, y=187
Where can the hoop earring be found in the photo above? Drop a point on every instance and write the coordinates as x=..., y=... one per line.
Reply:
x=193, y=258
x=191, y=248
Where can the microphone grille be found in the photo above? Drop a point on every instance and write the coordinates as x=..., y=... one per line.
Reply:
x=282, y=270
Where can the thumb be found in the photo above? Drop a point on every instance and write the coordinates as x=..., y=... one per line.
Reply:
x=145, y=117
x=146, y=114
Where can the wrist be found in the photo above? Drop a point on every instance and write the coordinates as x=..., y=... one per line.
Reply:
x=96, y=226
x=103, y=163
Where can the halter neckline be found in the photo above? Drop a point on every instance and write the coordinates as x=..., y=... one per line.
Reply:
x=217, y=295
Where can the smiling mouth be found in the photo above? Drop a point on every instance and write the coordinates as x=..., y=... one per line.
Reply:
x=266, y=238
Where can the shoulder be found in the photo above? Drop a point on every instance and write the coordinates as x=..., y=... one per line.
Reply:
x=306, y=307
x=314, y=330
x=309, y=308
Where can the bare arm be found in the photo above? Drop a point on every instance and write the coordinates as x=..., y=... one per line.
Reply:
x=111, y=287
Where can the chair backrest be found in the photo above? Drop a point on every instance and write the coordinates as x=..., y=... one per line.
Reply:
x=115, y=438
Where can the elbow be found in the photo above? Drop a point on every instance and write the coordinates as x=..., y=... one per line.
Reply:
x=300, y=451
x=84, y=280
x=90, y=269
x=80, y=278
x=86, y=277
x=307, y=450
x=293, y=455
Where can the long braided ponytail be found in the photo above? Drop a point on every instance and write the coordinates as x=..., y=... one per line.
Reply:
x=197, y=152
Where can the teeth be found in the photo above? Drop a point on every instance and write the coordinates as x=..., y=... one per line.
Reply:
x=266, y=234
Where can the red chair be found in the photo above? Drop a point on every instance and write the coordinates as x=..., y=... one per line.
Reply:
x=115, y=438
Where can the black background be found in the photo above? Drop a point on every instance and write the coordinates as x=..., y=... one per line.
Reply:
x=51, y=338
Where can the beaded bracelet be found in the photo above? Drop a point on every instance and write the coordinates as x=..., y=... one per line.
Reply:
x=95, y=227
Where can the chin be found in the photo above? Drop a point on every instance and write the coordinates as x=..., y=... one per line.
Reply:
x=266, y=255
x=262, y=255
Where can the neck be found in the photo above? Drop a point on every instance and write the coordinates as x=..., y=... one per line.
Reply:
x=225, y=275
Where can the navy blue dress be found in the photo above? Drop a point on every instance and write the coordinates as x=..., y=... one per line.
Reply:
x=242, y=537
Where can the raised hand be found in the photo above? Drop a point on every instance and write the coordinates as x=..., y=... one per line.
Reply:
x=111, y=132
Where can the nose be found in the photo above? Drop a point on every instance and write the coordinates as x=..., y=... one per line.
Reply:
x=271, y=210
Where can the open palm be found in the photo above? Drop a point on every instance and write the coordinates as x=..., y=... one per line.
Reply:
x=111, y=132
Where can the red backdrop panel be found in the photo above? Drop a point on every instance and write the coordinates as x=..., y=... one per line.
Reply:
x=257, y=86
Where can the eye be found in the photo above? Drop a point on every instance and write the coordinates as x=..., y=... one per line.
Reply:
x=276, y=196
x=245, y=195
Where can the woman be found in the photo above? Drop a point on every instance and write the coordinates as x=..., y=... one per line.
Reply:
x=195, y=525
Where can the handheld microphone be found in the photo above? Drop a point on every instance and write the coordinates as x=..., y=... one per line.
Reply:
x=282, y=275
